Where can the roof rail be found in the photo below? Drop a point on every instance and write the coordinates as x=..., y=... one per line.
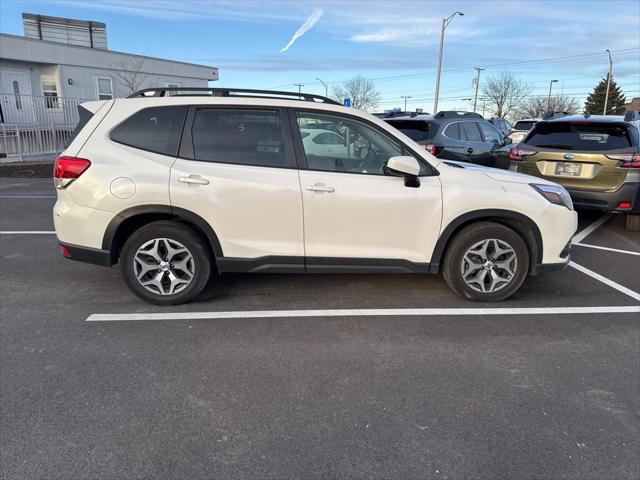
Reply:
x=631, y=116
x=231, y=92
x=454, y=114
x=550, y=115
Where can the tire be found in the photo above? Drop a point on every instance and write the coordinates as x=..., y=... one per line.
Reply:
x=182, y=257
x=504, y=275
x=632, y=222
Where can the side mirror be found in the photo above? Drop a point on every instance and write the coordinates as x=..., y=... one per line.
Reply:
x=508, y=140
x=403, y=166
x=407, y=167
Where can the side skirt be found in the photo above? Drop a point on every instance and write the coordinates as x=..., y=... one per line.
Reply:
x=279, y=264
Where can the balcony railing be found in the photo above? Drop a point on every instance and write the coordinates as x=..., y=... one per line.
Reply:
x=39, y=110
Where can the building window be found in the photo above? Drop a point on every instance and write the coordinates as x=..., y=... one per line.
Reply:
x=16, y=94
x=49, y=91
x=105, y=88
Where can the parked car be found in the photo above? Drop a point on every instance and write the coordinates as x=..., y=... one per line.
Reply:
x=175, y=188
x=595, y=157
x=521, y=128
x=460, y=136
x=502, y=125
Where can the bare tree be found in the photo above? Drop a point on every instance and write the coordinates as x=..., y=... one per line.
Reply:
x=130, y=73
x=536, y=107
x=362, y=92
x=505, y=93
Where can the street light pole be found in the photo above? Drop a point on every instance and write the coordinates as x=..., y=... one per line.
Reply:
x=326, y=89
x=475, y=100
x=405, y=101
x=606, y=97
x=549, y=97
x=445, y=22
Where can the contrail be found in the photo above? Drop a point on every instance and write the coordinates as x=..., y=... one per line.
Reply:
x=306, y=26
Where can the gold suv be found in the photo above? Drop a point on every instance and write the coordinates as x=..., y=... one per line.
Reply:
x=595, y=157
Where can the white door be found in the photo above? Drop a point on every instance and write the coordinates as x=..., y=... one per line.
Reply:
x=242, y=181
x=17, y=104
x=353, y=210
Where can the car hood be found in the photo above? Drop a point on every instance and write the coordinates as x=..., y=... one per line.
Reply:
x=497, y=174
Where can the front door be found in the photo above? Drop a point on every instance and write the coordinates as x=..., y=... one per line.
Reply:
x=352, y=209
x=17, y=106
x=238, y=173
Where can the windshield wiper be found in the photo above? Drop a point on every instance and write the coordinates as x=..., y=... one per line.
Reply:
x=564, y=146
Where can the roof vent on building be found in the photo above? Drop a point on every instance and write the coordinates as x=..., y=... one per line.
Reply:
x=65, y=30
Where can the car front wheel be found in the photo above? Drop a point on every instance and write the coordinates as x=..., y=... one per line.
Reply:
x=486, y=262
x=166, y=263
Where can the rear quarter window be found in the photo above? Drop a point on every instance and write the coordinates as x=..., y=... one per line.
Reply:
x=416, y=130
x=589, y=136
x=155, y=129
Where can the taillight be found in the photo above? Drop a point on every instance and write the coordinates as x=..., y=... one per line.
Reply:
x=67, y=169
x=517, y=153
x=433, y=149
x=629, y=160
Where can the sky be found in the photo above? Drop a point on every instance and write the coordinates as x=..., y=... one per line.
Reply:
x=277, y=44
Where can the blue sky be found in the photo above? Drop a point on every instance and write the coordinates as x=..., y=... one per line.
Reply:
x=393, y=42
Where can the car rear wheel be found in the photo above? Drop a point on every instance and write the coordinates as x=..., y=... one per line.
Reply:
x=632, y=223
x=166, y=263
x=486, y=262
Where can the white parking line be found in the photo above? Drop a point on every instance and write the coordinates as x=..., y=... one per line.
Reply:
x=369, y=312
x=582, y=234
x=27, y=232
x=606, y=281
x=609, y=249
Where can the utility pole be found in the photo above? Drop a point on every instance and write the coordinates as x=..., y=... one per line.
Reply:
x=445, y=22
x=549, y=97
x=299, y=85
x=326, y=89
x=405, y=101
x=484, y=105
x=475, y=100
x=606, y=97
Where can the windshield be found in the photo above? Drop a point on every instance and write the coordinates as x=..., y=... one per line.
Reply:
x=588, y=136
x=416, y=130
x=524, y=125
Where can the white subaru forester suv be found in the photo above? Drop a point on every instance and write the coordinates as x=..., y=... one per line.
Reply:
x=176, y=184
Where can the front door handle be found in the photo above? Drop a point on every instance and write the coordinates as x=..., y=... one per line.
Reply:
x=320, y=188
x=194, y=179
x=469, y=150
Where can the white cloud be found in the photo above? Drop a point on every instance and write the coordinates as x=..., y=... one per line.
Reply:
x=306, y=26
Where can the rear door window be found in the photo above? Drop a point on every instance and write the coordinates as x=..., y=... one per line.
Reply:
x=416, y=130
x=471, y=131
x=155, y=129
x=241, y=137
x=590, y=136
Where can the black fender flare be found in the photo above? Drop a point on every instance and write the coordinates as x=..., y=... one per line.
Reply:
x=534, y=244
x=179, y=213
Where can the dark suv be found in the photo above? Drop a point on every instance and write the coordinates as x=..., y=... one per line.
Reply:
x=460, y=136
x=502, y=125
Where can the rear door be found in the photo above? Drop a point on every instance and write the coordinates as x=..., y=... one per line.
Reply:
x=236, y=170
x=574, y=153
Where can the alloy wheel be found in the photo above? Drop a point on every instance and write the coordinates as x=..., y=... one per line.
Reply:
x=163, y=266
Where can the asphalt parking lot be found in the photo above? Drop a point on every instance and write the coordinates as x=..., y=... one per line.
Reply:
x=425, y=393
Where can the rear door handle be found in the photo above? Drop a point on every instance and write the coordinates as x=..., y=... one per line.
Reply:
x=320, y=187
x=469, y=150
x=194, y=179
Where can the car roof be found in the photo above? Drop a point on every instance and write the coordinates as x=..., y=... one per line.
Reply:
x=529, y=120
x=590, y=118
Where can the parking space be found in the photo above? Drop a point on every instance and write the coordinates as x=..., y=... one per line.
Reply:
x=419, y=394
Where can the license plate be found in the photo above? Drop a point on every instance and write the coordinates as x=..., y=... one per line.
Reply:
x=568, y=169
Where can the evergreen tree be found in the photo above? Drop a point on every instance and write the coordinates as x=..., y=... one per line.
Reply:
x=595, y=101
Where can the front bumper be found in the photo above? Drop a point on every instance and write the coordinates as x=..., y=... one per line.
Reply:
x=609, y=201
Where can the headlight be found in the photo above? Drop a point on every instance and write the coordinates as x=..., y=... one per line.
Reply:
x=554, y=193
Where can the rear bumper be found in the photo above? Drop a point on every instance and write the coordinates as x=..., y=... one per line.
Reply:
x=87, y=255
x=609, y=201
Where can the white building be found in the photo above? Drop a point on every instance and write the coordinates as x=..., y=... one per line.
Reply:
x=61, y=62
